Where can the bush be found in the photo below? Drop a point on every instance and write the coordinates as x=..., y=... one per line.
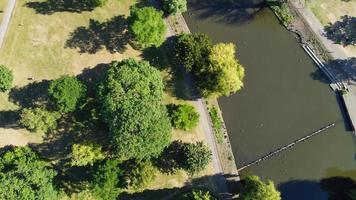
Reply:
x=196, y=157
x=184, y=117
x=217, y=124
x=6, y=78
x=174, y=6
x=39, y=119
x=196, y=195
x=147, y=26
x=86, y=154
x=139, y=174
x=283, y=12
x=254, y=189
x=66, y=93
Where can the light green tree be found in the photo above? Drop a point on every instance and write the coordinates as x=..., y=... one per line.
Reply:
x=184, y=117
x=39, y=119
x=24, y=176
x=254, y=189
x=66, y=92
x=86, y=154
x=6, y=78
x=224, y=75
x=131, y=96
x=138, y=174
x=174, y=6
x=147, y=26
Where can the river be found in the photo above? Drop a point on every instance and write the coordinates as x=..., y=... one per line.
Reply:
x=284, y=98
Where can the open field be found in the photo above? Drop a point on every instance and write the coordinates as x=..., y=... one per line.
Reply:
x=330, y=11
x=3, y=4
x=42, y=45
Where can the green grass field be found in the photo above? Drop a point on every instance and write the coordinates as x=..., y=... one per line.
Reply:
x=3, y=4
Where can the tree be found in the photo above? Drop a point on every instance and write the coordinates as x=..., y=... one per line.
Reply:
x=132, y=95
x=193, y=51
x=6, y=78
x=196, y=157
x=197, y=195
x=254, y=189
x=86, y=154
x=66, y=93
x=174, y=6
x=39, y=119
x=139, y=174
x=224, y=74
x=184, y=117
x=147, y=26
x=106, y=183
x=98, y=3
x=24, y=176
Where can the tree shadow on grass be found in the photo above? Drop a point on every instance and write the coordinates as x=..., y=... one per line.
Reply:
x=9, y=119
x=31, y=95
x=227, y=11
x=91, y=77
x=51, y=6
x=342, y=32
x=112, y=35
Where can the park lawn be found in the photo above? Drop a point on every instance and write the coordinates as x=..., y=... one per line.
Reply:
x=3, y=4
x=35, y=50
x=330, y=11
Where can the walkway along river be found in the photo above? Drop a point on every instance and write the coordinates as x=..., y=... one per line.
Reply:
x=285, y=96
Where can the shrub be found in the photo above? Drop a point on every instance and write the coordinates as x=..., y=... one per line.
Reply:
x=6, y=78
x=139, y=174
x=197, y=195
x=174, y=6
x=147, y=26
x=39, y=119
x=196, y=157
x=184, y=117
x=283, y=12
x=86, y=154
x=217, y=124
x=254, y=189
x=66, y=93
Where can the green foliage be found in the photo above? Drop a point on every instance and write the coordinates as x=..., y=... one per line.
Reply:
x=99, y=3
x=66, y=93
x=139, y=174
x=106, y=183
x=24, y=176
x=6, y=78
x=184, y=117
x=174, y=6
x=132, y=95
x=39, y=119
x=217, y=124
x=224, y=74
x=147, y=26
x=195, y=157
x=197, y=195
x=82, y=195
x=193, y=51
x=86, y=154
x=254, y=189
x=283, y=12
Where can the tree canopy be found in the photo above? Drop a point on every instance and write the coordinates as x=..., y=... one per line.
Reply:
x=184, y=117
x=39, y=119
x=147, y=26
x=254, y=189
x=106, y=183
x=224, y=75
x=174, y=6
x=66, y=92
x=197, y=195
x=86, y=154
x=6, y=78
x=132, y=95
x=138, y=174
x=24, y=176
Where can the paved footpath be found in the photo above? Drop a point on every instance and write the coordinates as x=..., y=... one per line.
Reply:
x=6, y=20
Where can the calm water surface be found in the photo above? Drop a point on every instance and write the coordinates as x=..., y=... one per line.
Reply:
x=282, y=100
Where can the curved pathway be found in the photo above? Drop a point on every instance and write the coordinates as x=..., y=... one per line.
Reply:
x=6, y=20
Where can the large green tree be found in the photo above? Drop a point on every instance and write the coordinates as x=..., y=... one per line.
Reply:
x=6, y=78
x=106, y=183
x=24, y=176
x=67, y=92
x=254, y=189
x=39, y=119
x=132, y=95
x=224, y=74
x=174, y=6
x=147, y=26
